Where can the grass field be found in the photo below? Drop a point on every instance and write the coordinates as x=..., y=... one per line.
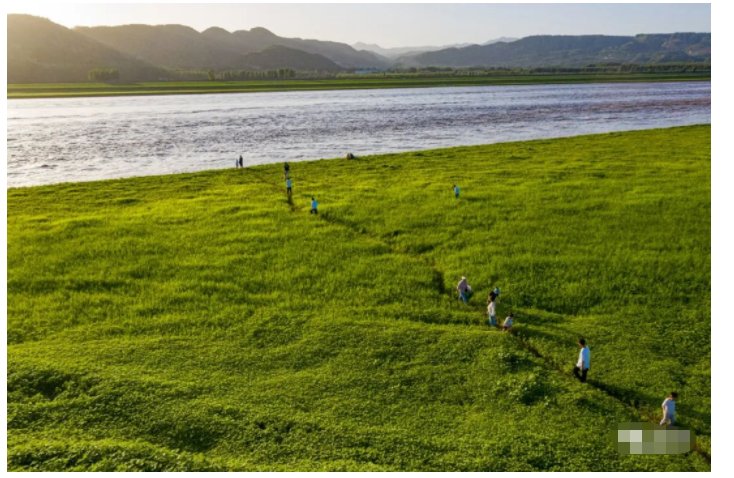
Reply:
x=200, y=322
x=54, y=90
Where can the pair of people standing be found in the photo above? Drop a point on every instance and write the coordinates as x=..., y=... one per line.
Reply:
x=581, y=369
x=492, y=314
x=289, y=189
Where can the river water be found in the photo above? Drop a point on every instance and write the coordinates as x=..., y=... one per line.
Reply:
x=82, y=139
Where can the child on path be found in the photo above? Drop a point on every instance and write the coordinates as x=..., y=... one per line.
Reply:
x=288, y=187
x=584, y=361
x=507, y=325
x=492, y=313
x=314, y=206
x=669, y=409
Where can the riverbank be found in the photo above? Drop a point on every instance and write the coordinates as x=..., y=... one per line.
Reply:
x=202, y=322
x=61, y=90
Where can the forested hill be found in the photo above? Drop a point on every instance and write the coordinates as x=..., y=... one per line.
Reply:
x=40, y=51
x=179, y=46
x=572, y=51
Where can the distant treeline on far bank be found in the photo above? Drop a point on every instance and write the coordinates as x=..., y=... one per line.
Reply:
x=703, y=69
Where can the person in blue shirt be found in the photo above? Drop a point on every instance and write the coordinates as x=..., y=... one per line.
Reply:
x=314, y=205
x=456, y=191
x=669, y=409
x=288, y=187
x=494, y=294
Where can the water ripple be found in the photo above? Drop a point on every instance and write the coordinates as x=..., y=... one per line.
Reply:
x=78, y=139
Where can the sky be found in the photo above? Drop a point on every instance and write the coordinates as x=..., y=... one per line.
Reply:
x=391, y=25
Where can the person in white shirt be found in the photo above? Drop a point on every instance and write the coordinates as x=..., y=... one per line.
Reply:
x=584, y=361
x=492, y=313
x=669, y=409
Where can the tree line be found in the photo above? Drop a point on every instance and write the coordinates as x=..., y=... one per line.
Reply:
x=103, y=74
x=441, y=71
x=113, y=74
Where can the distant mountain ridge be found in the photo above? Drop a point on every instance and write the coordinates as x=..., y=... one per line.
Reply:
x=572, y=51
x=177, y=46
x=42, y=51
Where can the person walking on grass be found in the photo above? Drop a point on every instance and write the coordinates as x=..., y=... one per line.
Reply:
x=314, y=205
x=507, y=325
x=669, y=409
x=584, y=361
x=286, y=170
x=492, y=312
x=288, y=187
x=456, y=191
x=240, y=162
x=464, y=290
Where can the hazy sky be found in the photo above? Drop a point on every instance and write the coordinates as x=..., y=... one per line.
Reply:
x=391, y=25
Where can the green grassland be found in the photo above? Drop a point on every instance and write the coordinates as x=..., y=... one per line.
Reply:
x=56, y=90
x=201, y=322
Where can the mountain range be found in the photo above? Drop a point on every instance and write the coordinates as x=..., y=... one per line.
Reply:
x=42, y=51
x=177, y=46
x=572, y=51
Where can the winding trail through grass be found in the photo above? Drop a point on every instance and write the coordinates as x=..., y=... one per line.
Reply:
x=438, y=281
x=208, y=321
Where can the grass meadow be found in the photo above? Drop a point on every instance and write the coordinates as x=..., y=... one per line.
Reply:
x=60, y=90
x=201, y=322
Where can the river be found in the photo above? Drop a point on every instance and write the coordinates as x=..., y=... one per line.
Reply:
x=83, y=139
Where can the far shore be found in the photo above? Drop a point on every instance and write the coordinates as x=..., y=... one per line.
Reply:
x=70, y=90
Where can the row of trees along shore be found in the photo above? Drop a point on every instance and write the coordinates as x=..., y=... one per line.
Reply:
x=434, y=71
x=113, y=74
x=104, y=74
